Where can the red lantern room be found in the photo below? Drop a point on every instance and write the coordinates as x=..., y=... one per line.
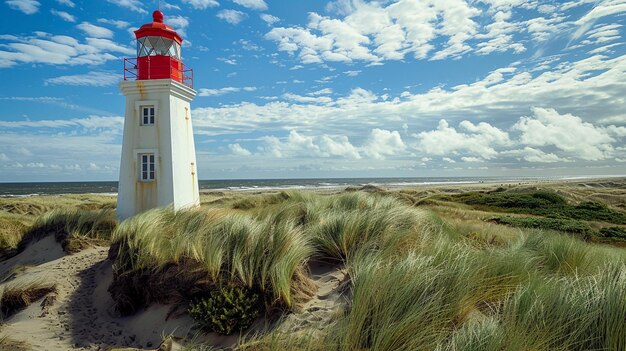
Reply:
x=158, y=54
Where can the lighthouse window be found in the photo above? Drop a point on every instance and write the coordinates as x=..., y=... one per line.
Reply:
x=147, y=115
x=147, y=167
x=154, y=45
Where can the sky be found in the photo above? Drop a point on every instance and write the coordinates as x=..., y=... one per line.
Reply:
x=313, y=89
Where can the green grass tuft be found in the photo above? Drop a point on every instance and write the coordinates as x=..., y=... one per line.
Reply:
x=73, y=229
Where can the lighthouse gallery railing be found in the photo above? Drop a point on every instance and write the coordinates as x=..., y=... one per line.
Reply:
x=183, y=75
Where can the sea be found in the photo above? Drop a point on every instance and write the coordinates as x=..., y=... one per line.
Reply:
x=55, y=188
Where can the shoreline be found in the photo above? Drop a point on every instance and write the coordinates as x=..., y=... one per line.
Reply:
x=389, y=185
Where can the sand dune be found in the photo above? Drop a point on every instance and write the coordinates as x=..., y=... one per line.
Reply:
x=82, y=316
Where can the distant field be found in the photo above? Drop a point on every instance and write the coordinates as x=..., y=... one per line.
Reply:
x=496, y=267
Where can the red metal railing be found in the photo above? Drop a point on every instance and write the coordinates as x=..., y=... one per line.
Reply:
x=157, y=67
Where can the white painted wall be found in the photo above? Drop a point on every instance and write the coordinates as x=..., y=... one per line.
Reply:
x=170, y=139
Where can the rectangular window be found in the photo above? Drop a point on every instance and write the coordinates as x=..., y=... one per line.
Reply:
x=147, y=115
x=147, y=169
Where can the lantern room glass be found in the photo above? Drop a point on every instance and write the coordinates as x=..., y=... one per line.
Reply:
x=154, y=45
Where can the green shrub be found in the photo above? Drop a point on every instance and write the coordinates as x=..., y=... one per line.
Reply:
x=613, y=233
x=227, y=309
x=538, y=202
x=580, y=228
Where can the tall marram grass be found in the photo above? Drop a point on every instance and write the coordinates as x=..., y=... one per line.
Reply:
x=415, y=281
x=216, y=246
x=16, y=295
x=73, y=228
x=539, y=291
x=342, y=224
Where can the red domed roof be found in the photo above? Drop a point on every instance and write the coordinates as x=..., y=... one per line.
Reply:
x=158, y=29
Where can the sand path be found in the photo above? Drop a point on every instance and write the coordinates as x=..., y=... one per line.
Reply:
x=82, y=316
x=325, y=306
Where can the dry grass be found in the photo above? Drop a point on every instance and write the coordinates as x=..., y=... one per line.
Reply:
x=17, y=295
x=18, y=214
x=8, y=344
x=73, y=229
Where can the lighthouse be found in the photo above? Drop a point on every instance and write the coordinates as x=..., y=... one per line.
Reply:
x=158, y=166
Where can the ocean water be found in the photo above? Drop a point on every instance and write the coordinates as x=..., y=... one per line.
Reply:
x=53, y=188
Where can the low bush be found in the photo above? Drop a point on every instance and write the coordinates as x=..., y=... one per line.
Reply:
x=538, y=202
x=613, y=233
x=227, y=309
x=579, y=228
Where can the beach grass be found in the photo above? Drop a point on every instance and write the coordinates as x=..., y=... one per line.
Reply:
x=19, y=214
x=17, y=295
x=74, y=229
x=416, y=280
x=504, y=269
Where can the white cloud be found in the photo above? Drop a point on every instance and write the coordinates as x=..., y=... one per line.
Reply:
x=307, y=99
x=117, y=23
x=95, y=79
x=373, y=33
x=68, y=3
x=603, y=9
x=340, y=7
x=133, y=5
x=238, y=150
x=252, y=4
x=201, y=4
x=339, y=146
x=325, y=91
x=448, y=159
x=248, y=45
x=89, y=123
x=95, y=31
x=479, y=140
x=4, y=157
x=472, y=159
x=566, y=132
x=591, y=88
x=29, y=7
x=168, y=6
x=534, y=155
x=378, y=31
x=383, y=143
x=64, y=15
x=222, y=91
x=299, y=145
x=231, y=16
x=179, y=23
x=269, y=19
x=59, y=50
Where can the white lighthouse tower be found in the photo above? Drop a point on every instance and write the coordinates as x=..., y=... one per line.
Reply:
x=158, y=166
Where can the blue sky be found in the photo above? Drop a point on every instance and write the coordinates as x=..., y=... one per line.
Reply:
x=327, y=88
